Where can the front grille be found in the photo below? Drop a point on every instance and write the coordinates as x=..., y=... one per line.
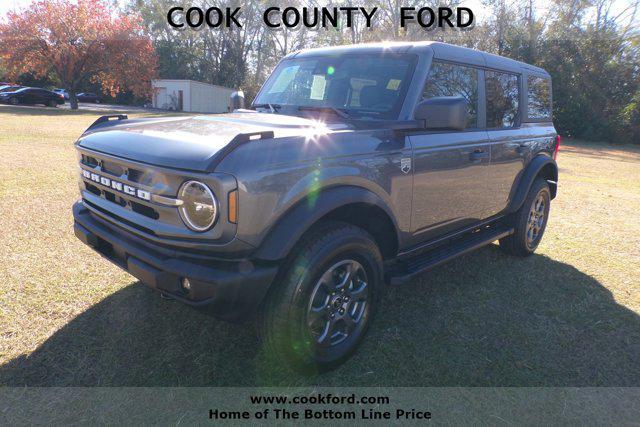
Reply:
x=92, y=188
x=144, y=210
x=136, y=176
x=113, y=198
x=89, y=161
x=112, y=168
x=104, y=167
x=118, y=218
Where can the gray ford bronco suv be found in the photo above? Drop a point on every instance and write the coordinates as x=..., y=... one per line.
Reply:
x=358, y=167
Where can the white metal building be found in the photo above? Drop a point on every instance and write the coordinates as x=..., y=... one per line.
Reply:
x=189, y=95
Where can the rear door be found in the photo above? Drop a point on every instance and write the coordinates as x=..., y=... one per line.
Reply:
x=510, y=141
x=45, y=96
x=450, y=167
x=40, y=96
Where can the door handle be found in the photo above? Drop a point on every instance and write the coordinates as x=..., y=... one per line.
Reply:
x=478, y=155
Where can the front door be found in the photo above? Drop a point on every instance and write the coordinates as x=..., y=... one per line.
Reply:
x=450, y=168
x=30, y=96
x=450, y=181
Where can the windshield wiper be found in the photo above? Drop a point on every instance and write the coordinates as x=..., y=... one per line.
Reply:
x=272, y=107
x=337, y=111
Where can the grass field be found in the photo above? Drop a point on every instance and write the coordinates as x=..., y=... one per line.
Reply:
x=567, y=316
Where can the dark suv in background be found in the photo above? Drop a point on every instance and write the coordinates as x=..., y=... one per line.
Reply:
x=360, y=166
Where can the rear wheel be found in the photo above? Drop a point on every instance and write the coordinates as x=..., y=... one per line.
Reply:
x=530, y=221
x=323, y=302
x=52, y=103
x=14, y=101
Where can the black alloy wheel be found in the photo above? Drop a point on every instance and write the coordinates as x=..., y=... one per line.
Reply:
x=324, y=298
x=530, y=221
x=339, y=303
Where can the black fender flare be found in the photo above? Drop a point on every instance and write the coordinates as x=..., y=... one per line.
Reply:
x=536, y=165
x=287, y=231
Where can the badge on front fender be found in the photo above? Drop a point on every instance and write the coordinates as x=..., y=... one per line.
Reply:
x=405, y=164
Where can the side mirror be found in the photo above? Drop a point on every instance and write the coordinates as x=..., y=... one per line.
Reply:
x=445, y=112
x=237, y=100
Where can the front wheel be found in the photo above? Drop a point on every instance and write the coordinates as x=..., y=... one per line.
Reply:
x=323, y=302
x=14, y=101
x=530, y=221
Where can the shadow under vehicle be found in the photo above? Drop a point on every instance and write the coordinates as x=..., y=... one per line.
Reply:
x=480, y=320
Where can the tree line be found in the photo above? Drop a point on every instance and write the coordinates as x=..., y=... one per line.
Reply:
x=591, y=48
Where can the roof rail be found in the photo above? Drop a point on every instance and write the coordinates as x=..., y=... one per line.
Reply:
x=104, y=119
x=238, y=140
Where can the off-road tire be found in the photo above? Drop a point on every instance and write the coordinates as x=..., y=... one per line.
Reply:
x=282, y=320
x=519, y=244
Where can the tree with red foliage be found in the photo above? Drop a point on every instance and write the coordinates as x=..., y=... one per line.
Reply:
x=79, y=42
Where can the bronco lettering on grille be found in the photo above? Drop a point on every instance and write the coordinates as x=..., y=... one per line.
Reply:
x=118, y=186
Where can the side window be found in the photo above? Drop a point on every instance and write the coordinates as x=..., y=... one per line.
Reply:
x=503, y=95
x=454, y=80
x=538, y=97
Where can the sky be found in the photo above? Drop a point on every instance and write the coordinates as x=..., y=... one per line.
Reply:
x=475, y=5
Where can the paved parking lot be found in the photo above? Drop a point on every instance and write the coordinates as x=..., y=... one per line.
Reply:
x=105, y=107
x=87, y=106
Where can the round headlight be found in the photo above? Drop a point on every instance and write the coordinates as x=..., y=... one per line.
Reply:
x=199, y=206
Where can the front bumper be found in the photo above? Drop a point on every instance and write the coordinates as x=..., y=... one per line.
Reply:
x=231, y=290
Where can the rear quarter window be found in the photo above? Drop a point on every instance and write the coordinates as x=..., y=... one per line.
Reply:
x=503, y=95
x=538, y=97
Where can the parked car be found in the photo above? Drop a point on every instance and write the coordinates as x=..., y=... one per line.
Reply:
x=32, y=95
x=362, y=167
x=88, y=97
x=63, y=92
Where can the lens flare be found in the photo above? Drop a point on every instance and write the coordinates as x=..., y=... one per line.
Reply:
x=315, y=131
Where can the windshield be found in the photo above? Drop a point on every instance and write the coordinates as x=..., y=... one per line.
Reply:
x=371, y=86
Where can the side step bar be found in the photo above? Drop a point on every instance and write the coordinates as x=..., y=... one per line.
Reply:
x=405, y=270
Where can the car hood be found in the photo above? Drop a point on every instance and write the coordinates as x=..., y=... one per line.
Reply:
x=191, y=143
